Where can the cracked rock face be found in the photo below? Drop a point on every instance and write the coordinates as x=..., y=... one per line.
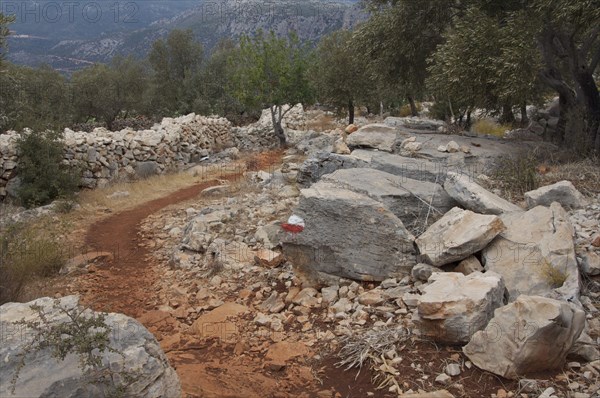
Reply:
x=536, y=254
x=136, y=353
x=530, y=335
x=454, y=306
x=348, y=235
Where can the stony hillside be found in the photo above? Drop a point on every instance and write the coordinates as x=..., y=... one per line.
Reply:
x=70, y=45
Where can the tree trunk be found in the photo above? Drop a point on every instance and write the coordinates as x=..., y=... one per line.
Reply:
x=507, y=115
x=468, y=122
x=524, y=118
x=276, y=117
x=350, y=111
x=592, y=103
x=565, y=106
x=413, y=107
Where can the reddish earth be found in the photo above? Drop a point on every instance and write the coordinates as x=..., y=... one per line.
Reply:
x=213, y=368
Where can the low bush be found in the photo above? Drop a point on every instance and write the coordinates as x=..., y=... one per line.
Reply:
x=26, y=253
x=405, y=110
x=43, y=175
x=515, y=175
x=489, y=127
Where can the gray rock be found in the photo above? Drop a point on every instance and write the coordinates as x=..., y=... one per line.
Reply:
x=454, y=306
x=457, y=235
x=325, y=163
x=453, y=369
x=137, y=352
x=415, y=123
x=547, y=329
x=535, y=254
x=422, y=272
x=408, y=199
x=146, y=169
x=348, y=235
x=375, y=136
x=474, y=197
x=416, y=169
x=590, y=263
x=562, y=192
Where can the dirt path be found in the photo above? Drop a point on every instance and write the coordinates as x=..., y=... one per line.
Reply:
x=127, y=284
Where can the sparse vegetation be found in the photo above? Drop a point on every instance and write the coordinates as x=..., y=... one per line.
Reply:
x=515, y=175
x=26, y=253
x=42, y=173
x=490, y=127
x=76, y=331
x=555, y=277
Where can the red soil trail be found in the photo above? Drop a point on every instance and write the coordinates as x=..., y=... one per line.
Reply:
x=127, y=284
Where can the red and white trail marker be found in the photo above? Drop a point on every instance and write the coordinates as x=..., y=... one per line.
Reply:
x=294, y=225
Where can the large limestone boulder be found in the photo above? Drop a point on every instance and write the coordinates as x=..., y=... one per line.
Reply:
x=535, y=254
x=375, y=136
x=416, y=169
x=454, y=306
x=533, y=334
x=410, y=200
x=415, y=123
x=472, y=196
x=325, y=163
x=137, y=354
x=457, y=235
x=350, y=235
x=201, y=230
x=562, y=192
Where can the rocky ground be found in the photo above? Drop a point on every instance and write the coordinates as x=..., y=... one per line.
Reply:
x=243, y=308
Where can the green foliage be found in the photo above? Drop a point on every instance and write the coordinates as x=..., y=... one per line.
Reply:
x=176, y=64
x=555, y=277
x=80, y=332
x=268, y=71
x=26, y=254
x=338, y=75
x=42, y=173
x=105, y=91
x=397, y=41
x=38, y=98
x=489, y=127
x=4, y=32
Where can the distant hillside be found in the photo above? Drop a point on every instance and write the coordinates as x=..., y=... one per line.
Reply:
x=69, y=38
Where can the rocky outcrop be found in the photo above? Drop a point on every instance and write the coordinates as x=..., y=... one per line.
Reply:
x=563, y=192
x=535, y=254
x=136, y=353
x=457, y=235
x=374, y=136
x=410, y=200
x=472, y=196
x=416, y=169
x=454, y=306
x=415, y=123
x=325, y=163
x=350, y=235
x=546, y=329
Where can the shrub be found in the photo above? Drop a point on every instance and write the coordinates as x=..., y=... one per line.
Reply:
x=515, y=175
x=405, y=109
x=26, y=253
x=489, y=127
x=440, y=110
x=43, y=175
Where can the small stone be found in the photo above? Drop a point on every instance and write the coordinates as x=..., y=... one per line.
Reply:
x=371, y=297
x=547, y=393
x=443, y=379
x=452, y=147
x=501, y=393
x=528, y=385
x=453, y=369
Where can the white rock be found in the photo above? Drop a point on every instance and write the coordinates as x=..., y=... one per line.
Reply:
x=547, y=329
x=457, y=235
x=472, y=196
x=454, y=306
x=563, y=192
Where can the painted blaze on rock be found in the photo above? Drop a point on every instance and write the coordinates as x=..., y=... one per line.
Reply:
x=348, y=235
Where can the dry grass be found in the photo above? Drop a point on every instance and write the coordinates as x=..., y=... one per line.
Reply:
x=584, y=174
x=151, y=188
x=490, y=127
x=322, y=123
